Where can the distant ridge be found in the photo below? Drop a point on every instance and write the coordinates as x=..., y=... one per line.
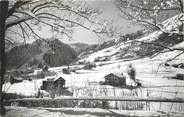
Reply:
x=54, y=53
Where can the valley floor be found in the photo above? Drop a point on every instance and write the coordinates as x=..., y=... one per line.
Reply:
x=85, y=83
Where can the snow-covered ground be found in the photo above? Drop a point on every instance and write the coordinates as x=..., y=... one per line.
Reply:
x=87, y=82
x=148, y=71
x=77, y=112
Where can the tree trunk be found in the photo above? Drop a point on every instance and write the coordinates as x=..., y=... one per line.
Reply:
x=3, y=15
x=182, y=21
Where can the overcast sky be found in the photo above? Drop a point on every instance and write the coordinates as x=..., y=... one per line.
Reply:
x=110, y=12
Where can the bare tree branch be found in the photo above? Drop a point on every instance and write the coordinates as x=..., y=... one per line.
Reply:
x=17, y=21
x=15, y=32
x=144, y=14
x=32, y=30
x=23, y=33
x=17, y=4
x=128, y=5
x=175, y=57
x=65, y=8
x=33, y=10
x=9, y=40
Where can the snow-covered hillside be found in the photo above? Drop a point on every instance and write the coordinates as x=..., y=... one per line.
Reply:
x=149, y=71
x=171, y=26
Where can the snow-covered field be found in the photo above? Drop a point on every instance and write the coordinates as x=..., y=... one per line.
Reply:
x=77, y=112
x=86, y=82
x=148, y=71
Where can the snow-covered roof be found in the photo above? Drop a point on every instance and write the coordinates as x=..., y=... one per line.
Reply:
x=59, y=78
x=55, y=78
x=116, y=74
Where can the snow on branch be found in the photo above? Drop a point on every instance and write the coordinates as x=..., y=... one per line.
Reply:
x=150, y=13
x=46, y=12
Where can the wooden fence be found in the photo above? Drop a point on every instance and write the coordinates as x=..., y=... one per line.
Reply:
x=137, y=99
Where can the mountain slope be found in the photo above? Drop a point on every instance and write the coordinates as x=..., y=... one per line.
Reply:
x=52, y=53
x=146, y=46
x=79, y=47
x=60, y=54
x=19, y=55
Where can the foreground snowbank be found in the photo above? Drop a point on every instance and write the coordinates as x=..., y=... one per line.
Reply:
x=78, y=112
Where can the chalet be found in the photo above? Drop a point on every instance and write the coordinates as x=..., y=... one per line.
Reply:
x=179, y=76
x=53, y=84
x=15, y=80
x=115, y=79
x=66, y=70
x=105, y=58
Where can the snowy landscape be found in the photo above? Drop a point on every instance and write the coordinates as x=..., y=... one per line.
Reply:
x=65, y=80
x=85, y=83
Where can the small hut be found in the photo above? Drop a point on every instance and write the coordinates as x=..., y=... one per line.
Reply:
x=179, y=76
x=66, y=70
x=115, y=79
x=59, y=83
x=53, y=84
x=15, y=80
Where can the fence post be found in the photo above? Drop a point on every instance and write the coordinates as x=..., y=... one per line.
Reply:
x=147, y=103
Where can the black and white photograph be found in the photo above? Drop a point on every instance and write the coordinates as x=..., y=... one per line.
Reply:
x=91, y=58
